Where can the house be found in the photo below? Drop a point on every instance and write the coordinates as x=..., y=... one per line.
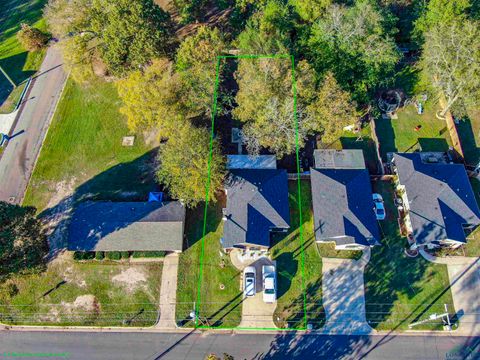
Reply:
x=257, y=202
x=127, y=226
x=342, y=200
x=437, y=201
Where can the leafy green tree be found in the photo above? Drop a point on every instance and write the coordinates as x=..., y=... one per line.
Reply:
x=268, y=31
x=331, y=111
x=31, y=38
x=184, y=165
x=353, y=43
x=23, y=245
x=266, y=104
x=442, y=11
x=196, y=64
x=451, y=62
x=310, y=10
x=152, y=98
x=127, y=35
x=190, y=10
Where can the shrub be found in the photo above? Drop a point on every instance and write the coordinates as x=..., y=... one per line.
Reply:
x=113, y=255
x=32, y=39
x=12, y=289
x=148, y=254
x=99, y=255
x=83, y=255
x=125, y=254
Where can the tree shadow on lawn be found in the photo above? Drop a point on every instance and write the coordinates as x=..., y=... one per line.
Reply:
x=129, y=181
x=471, y=151
x=390, y=273
x=13, y=65
x=386, y=136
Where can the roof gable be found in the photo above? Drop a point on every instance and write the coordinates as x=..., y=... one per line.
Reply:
x=440, y=198
x=342, y=206
x=257, y=200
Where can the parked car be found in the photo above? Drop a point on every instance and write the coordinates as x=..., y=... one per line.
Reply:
x=379, y=207
x=249, y=274
x=269, y=283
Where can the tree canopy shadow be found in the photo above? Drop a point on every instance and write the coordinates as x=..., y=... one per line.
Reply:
x=13, y=65
x=471, y=151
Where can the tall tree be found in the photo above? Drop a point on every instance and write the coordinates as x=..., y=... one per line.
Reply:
x=451, y=62
x=23, y=245
x=442, y=11
x=152, y=98
x=184, y=166
x=353, y=43
x=310, y=10
x=268, y=31
x=126, y=34
x=267, y=107
x=331, y=111
x=196, y=64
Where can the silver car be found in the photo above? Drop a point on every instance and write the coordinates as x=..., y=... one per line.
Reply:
x=249, y=275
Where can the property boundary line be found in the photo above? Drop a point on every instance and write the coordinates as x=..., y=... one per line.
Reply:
x=207, y=190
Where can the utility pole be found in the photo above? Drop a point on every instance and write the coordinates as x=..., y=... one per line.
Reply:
x=8, y=77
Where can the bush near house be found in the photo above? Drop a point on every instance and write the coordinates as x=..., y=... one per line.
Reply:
x=148, y=254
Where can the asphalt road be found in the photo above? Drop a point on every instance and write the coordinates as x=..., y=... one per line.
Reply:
x=18, y=159
x=149, y=346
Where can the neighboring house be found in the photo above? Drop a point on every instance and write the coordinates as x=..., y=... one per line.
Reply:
x=342, y=200
x=438, y=204
x=257, y=202
x=127, y=226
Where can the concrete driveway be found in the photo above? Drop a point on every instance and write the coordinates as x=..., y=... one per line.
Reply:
x=34, y=116
x=344, y=295
x=255, y=312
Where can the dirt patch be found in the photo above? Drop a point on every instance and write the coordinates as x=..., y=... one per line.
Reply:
x=81, y=305
x=131, y=279
x=70, y=276
x=56, y=217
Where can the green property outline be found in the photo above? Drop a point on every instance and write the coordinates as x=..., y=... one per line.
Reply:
x=207, y=187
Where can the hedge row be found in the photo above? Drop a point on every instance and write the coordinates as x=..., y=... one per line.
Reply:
x=115, y=255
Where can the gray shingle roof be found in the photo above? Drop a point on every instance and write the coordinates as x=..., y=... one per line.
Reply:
x=343, y=206
x=257, y=201
x=127, y=226
x=440, y=198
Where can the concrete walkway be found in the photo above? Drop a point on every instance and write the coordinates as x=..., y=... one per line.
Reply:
x=6, y=122
x=168, y=292
x=343, y=296
x=464, y=275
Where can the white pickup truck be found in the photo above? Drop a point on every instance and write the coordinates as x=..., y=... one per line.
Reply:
x=269, y=283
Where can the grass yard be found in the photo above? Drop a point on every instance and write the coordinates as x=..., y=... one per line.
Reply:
x=399, y=135
x=327, y=250
x=400, y=290
x=83, y=153
x=469, y=132
x=218, y=308
x=287, y=251
x=17, y=62
x=91, y=293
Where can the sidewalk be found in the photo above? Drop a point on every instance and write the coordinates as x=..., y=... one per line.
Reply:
x=344, y=296
x=168, y=293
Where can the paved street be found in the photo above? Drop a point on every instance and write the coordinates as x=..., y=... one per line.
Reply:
x=18, y=159
x=149, y=346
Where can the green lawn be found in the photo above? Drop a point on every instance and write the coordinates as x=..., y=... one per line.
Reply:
x=399, y=135
x=217, y=307
x=287, y=251
x=398, y=289
x=469, y=131
x=17, y=62
x=328, y=250
x=72, y=293
x=83, y=153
